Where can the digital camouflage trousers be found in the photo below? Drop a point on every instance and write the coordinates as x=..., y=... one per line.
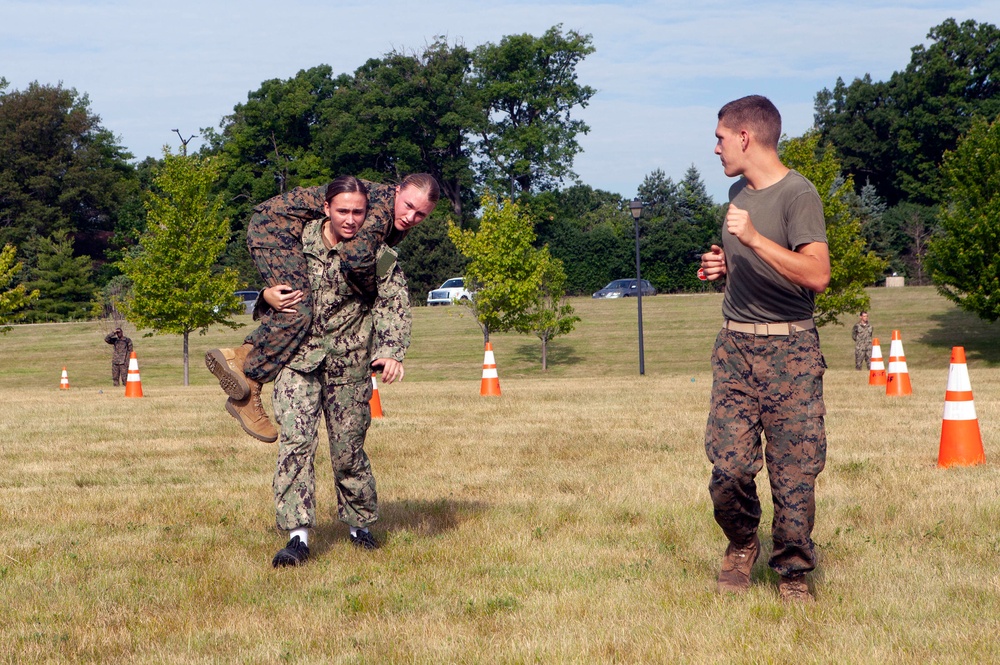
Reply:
x=771, y=385
x=300, y=399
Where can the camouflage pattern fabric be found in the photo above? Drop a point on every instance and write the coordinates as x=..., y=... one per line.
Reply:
x=862, y=334
x=119, y=374
x=772, y=385
x=119, y=358
x=299, y=399
x=274, y=237
x=330, y=374
x=122, y=350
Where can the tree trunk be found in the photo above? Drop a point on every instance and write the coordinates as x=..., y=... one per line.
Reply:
x=186, y=333
x=545, y=354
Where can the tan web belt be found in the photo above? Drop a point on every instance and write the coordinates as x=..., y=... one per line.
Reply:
x=768, y=329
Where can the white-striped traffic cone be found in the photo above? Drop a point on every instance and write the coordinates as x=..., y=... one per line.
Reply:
x=491, y=380
x=876, y=373
x=64, y=381
x=961, y=442
x=898, y=381
x=133, y=386
x=375, y=403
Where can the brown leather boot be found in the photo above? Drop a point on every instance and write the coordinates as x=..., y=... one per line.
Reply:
x=736, y=566
x=249, y=412
x=795, y=590
x=227, y=366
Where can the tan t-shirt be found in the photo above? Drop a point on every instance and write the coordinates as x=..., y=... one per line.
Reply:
x=789, y=213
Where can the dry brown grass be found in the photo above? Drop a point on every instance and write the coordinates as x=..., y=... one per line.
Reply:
x=566, y=521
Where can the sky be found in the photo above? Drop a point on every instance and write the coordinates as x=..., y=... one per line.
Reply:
x=661, y=68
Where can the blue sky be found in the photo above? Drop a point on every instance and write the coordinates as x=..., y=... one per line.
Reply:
x=661, y=68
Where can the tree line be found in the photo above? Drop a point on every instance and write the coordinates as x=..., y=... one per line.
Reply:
x=499, y=120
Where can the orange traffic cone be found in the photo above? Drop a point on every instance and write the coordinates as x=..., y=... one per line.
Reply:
x=961, y=442
x=133, y=386
x=491, y=381
x=876, y=373
x=64, y=381
x=375, y=404
x=898, y=381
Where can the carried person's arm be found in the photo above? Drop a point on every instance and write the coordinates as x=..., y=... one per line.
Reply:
x=278, y=222
x=391, y=317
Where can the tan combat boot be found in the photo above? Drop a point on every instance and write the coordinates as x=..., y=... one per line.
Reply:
x=227, y=366
x=249, y=412
x=736, y=566
x=795, y=590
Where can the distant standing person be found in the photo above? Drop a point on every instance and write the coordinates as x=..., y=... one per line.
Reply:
x=120, y=356
x=862, y=334
x=767, y=368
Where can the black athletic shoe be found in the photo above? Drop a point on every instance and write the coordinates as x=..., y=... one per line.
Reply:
x=364, y=540
x=294, y=553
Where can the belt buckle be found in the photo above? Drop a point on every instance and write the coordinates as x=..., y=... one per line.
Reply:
x=760, y=329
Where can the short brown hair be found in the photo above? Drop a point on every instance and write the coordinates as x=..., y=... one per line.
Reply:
x=345, y=184
x=756, y=113
x=425, y=182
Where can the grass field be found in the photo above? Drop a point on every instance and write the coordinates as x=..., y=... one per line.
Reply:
x=566, y=521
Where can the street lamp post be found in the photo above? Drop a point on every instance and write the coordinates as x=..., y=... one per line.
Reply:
x=635, y=207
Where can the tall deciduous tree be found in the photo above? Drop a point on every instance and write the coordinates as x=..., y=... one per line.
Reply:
x=15, y=299
x=894, y=133
x=176, y=286
x=406, y=113
x=964, y=260
x=63, y=280
x=528, y=90
x=60, y=170
x=852, y=267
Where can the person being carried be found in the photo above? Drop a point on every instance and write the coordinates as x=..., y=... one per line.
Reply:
x=767, y=367
x=330, y=374
x=274, y=240
x=862, y=334
x=120, y=355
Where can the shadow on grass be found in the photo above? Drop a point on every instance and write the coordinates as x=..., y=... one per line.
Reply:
x=421, y=518
x=980, y=338
x=559, y=354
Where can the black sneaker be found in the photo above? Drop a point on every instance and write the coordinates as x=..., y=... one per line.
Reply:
x=364, y=540
x=294, y=553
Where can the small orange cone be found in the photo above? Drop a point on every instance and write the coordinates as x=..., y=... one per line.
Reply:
x=491, y=381
x=898, y=381
x=961, y=442
x=64, y=381
x=375, y=404
x=876, y=374
x=133, y=386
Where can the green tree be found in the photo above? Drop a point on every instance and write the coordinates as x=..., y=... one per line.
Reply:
x=60, y=170
x=964, y=259
x=406, y=113
x=852, y=267
x=62, y=280
x=549, y=315
x=504, y=268
x=588, y=230
x=176, y=285
x=527, y=90
x=15, y=299
x=894, y=134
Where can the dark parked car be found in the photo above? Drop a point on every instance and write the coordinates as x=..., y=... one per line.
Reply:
x=625, y=288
